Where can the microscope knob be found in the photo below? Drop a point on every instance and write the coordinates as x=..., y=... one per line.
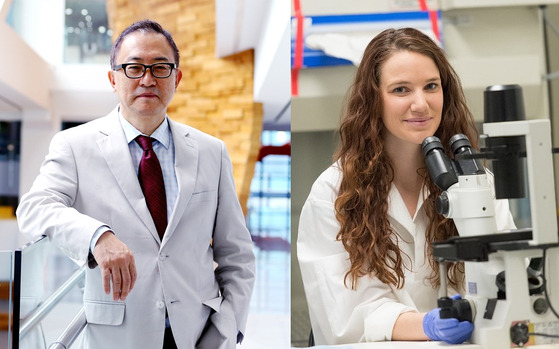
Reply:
x=443, y=204
x=519, y=334
x=445, y=303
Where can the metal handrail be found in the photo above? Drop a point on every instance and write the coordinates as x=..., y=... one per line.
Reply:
x=37, y=315
x=72, y=331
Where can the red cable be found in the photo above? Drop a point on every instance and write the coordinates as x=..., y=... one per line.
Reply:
x=298, y=59
x=432, y=17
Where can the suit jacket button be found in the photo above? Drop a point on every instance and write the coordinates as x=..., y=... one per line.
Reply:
x=160, y=304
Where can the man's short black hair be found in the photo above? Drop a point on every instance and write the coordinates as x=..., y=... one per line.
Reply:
x=145, y=25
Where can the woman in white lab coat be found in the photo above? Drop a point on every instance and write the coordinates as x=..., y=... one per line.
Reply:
x=367, y=227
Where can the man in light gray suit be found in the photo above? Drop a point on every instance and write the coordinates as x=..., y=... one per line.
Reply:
x=178, y=274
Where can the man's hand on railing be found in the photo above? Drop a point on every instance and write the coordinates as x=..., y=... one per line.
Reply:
x=116, y=262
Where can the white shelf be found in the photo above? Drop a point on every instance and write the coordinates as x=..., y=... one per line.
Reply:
x=461, y=4
x=482, y=72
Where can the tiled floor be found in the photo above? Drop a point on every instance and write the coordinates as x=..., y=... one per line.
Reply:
x=268, y=323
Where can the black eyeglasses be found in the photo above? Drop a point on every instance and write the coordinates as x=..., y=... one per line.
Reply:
x=137, y=70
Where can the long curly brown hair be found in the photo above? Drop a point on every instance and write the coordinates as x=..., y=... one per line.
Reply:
x=367, y=172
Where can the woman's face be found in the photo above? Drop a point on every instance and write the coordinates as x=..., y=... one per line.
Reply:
x=412, y=97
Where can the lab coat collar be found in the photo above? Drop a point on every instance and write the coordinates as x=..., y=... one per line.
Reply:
x=398, y=212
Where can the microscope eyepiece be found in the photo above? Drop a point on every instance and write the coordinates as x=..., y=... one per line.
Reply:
x=458, y=142
x=465, y=163
x=438, y=164
x=431, y=143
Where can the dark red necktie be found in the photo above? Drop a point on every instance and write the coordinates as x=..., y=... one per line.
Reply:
x=151, y=181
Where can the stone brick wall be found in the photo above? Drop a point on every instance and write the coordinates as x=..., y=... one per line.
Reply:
x=215, y=95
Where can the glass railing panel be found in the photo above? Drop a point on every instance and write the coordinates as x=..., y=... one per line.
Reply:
x=45, y=309
x=29, y=263
x=58, y=269
x=42, y=290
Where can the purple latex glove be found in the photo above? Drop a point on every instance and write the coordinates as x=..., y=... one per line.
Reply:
x=447, y=330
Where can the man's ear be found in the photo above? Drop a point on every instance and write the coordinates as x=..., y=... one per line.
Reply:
x=111, y=76
x=178, y=78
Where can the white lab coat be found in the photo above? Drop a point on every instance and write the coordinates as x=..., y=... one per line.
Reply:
x=339, y=314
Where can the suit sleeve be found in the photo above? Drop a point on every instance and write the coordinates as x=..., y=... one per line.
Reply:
x=47, y=208
x=233, y=253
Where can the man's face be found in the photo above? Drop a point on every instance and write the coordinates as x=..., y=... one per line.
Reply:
x=146, y=97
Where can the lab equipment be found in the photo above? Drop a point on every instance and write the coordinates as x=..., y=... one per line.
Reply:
x=512, y=284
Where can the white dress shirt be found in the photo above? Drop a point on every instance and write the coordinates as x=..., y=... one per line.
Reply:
x=341, y=315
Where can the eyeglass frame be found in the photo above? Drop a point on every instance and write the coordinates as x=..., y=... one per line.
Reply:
x=146, y=67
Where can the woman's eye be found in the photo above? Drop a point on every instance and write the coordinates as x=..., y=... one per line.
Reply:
x=399, y=90
x=432, y=86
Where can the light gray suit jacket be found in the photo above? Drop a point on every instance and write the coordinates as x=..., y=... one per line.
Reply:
x=88, y=180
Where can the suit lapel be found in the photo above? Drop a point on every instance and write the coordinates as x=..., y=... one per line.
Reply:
x=114, y=149
x=186, y=165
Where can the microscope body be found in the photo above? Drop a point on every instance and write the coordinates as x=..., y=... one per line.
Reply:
x=507, y=308
x=470, y=205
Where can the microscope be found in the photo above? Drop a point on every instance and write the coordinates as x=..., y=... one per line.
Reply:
x=512, y=281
